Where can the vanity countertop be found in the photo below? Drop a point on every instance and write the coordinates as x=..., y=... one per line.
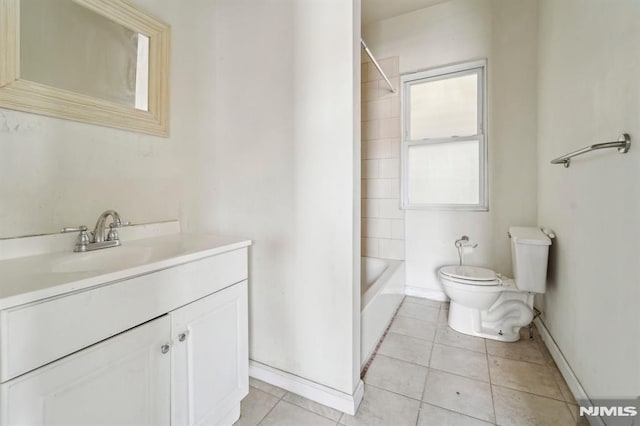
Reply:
x=29, y=279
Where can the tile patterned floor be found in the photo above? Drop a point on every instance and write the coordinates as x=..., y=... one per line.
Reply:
x=424, y=373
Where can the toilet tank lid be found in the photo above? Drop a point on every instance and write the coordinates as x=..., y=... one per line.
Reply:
x=529, y=235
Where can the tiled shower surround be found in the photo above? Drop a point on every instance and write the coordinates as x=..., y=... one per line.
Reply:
x=382, y=218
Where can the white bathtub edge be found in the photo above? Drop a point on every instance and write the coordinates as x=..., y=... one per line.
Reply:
x=387, y=275
x=379, y=304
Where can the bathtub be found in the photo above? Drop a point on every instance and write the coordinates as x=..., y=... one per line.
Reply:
x=382, y=290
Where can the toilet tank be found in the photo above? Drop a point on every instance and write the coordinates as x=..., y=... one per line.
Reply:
x=529, y=257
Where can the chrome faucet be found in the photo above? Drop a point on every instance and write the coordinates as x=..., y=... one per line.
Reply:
x=98, y=231
x=97, y=240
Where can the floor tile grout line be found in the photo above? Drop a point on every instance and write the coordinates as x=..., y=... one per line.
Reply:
x=446, y=327
x=410, y=335
x=422, y=304
x=423, y=301
x=421, y=401
x=517, y=359
x=433, y=368
x=537, y=347
x=459, y=375
x=458, y=347
x=293, y=403
x=573, y=401
x=271, y=409
x=493, y=400
x=424, y=386
x=389, y=331
x=418, y=319
x=556, y=379
x=404, y=360
x=555, y=382
x=457, y=412
x=571, y=412
x=394, y=392
x=311, y=411
x=529, y=393
x=486, y=351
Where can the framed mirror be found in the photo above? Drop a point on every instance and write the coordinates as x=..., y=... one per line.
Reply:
x=103, y=62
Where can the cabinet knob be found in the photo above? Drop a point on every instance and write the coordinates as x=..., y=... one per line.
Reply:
x=164, y=349
x=182, y=336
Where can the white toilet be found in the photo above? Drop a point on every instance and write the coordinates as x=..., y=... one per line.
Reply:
x=487, y=305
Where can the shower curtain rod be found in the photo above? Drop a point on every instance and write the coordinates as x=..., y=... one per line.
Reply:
x=366, y=49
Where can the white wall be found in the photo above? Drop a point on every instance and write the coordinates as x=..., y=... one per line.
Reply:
x=282, y=168
x=588, y=93
x=262, y=127
x=56, y=173
x=504, y=32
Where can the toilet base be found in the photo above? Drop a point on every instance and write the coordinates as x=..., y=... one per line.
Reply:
x=501, y=322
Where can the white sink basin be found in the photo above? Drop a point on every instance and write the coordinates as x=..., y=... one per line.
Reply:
x=113, y=258
x=29, y=278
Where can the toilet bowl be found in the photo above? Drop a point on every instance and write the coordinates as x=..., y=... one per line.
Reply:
x=487, y=307
x=485, y=304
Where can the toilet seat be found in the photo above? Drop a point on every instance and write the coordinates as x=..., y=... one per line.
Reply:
x=471, y=275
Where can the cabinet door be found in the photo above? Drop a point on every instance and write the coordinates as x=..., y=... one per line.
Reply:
x=123, y=380
x=210, y=358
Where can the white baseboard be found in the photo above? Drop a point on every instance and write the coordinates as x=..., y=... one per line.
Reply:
x=565, y=369
x=426, y=293
x=311, y=390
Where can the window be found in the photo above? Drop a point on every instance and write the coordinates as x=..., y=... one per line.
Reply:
x=444, y=150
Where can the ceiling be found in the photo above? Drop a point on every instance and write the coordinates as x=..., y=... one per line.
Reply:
x=376, y=10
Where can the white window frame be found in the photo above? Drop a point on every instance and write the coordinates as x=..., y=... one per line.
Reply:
x=407, y=80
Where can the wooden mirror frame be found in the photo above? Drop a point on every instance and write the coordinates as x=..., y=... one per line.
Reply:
x=29, y=96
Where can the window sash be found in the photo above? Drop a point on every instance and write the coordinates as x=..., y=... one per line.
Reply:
x=407, y=84
x=482, y=181
x=457, y=70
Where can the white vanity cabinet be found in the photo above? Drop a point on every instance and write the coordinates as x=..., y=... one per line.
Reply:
x=177, y=355
x=123, y=380
x=210, y=363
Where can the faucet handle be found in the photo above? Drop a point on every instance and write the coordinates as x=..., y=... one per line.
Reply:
x=83, y=239
x=80, y=228
x=119, y=224
x=112, y=235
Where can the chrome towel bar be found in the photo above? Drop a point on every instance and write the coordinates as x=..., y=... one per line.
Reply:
x=623, y=144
